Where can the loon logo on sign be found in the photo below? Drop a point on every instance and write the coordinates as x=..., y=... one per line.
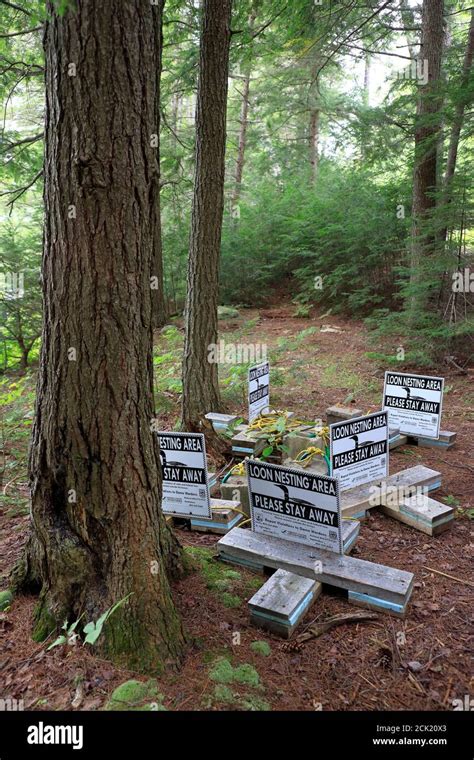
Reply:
x=414, y=403
x=184, y=471
x=299, y=506
x=359, y=450
x=259, y=389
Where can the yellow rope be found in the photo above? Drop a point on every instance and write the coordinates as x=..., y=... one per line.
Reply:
x=238, y=469
x=306, y=456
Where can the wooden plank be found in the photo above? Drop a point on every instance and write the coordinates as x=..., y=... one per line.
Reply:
x=446, y=440
x=243, y=445
x=357, y=501
x=220, y=422
x=224, y=517
x=236, y=486
x=350, y=534
x=282, y=602
x=338, y=413
x=423, y=514
x=389, y=587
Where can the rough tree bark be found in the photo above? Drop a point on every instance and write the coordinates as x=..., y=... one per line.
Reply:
x=427, y=127
x=200, y=377
x=98, y=533
x=158, y=291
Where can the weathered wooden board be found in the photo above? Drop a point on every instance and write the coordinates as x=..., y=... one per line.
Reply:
x=424, y=514
x=243, y=445
x=357, y=501
x=338, y=413
x=446, y=440
x=237, y=487
x=350, y=534
x=281, y=603
x=224, y=517
x=376, y=586
x=221, y=422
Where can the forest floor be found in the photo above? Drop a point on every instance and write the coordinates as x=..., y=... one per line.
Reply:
x=420, y=663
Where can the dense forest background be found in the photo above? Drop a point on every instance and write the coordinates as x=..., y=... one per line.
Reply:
x=326, y=129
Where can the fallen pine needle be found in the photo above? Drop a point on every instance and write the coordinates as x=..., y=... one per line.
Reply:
x=453, y=577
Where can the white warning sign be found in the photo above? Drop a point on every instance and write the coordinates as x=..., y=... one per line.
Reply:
x=295, y=505
x=359, y=450
x=184, y=472
x=259, y=389
x=414, y=403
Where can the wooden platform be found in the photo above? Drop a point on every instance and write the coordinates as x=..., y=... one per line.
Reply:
x=373, y=586
x=423, y=514
x=446, y=440
x=338, y=413
x=224, y=517
x=281, y=603
x=356, y=501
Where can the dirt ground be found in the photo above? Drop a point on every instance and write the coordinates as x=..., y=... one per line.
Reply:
x=420, y=663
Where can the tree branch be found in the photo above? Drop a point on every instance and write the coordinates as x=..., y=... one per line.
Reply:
x=15, y=7
x=33, y=139
x=20, y=190
x=18, y=34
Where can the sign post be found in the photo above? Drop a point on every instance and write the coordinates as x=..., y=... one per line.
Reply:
x=414, y=403
x=184, y=471
x=359, y=450
x=259, y=389
x=295, y=505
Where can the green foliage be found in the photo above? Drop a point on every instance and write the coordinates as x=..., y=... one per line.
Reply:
x=92, y=630
x=261, y=647
x=6, y=598
x=137, y=696
x=223, y=672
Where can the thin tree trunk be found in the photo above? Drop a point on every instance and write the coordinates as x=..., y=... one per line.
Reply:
x=427, y=127
x=408, y=21
x=465, y=99
x=314, y=143
x=157, y=282
x=200, y=377
x=367, y=80
x=98, y=533
x=244, y=117
x=239, y=167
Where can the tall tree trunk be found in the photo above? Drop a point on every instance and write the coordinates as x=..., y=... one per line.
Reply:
x=98, y=533
x=314, y=143
x=427, y=127
x=244, y=119
x=200, y=377
x=367, y=79
x=239, y=167
x=465, y=99
x=408, y=21
x=157, y=284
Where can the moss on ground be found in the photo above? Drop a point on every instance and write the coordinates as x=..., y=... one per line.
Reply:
x=261, y=647
x=137, y=696
x=219, y=578
x=235, y=687
x=6, y=598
